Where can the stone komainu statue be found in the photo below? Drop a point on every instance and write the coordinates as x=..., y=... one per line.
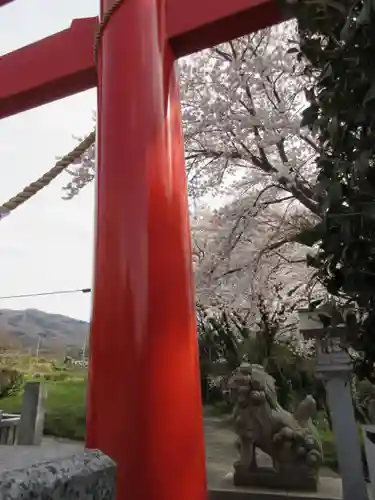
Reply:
x=291, y=440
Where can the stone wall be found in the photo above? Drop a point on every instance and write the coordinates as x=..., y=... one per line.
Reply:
x=90, y=475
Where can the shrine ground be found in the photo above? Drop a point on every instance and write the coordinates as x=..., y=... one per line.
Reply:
x=219, y=439
x=65, y=417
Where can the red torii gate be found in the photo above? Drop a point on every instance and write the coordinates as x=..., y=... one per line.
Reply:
x=144, y=405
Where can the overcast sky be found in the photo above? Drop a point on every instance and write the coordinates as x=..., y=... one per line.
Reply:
x=47, y=243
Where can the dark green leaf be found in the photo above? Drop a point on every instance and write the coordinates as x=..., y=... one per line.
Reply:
x=334, y=193
x=327, y=72
x=364, y=15
x=309, y=115
x=337, y=6
x=310, y=236
x=333, y=128
x=346, y=30
x=370, y=95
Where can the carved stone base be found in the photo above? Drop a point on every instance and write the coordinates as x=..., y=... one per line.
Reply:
x=292, y=477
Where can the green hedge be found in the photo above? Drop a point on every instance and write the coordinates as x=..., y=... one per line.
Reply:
x=65, y=408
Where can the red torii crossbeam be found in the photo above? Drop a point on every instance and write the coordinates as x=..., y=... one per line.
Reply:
x=63, y=64
x=144, y=403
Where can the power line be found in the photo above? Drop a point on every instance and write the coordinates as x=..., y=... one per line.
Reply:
x=40, y=294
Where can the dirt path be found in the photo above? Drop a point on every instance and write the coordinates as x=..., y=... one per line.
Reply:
x=219, y=440
x=220, y=449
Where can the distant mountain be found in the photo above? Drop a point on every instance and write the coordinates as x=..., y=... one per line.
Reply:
x=23, y=328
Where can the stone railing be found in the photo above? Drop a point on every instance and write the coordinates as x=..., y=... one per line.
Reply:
x=27, y=428
x=9, y=424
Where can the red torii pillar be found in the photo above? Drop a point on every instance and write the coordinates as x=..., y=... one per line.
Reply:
x=144, y=406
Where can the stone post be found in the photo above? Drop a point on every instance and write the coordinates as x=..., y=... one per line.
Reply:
x=334, y=366
x=368, y=432
x=30, y=430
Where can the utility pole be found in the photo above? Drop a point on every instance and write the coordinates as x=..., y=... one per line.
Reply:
x=84, y=347
x=38, y=348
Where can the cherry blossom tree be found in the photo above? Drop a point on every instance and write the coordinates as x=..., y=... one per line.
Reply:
x=247, y=153
x=231, y=266
x=241, y=108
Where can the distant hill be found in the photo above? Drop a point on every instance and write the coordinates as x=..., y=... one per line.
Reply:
x=55, y=330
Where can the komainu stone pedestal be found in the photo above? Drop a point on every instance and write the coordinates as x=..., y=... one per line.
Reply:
x=293, y=478
x=328, y=489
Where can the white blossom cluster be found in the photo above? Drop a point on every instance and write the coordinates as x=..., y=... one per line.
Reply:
x=241, y=109
x=250, y=168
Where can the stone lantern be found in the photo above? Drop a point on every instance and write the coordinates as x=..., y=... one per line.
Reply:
x=333, y=365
